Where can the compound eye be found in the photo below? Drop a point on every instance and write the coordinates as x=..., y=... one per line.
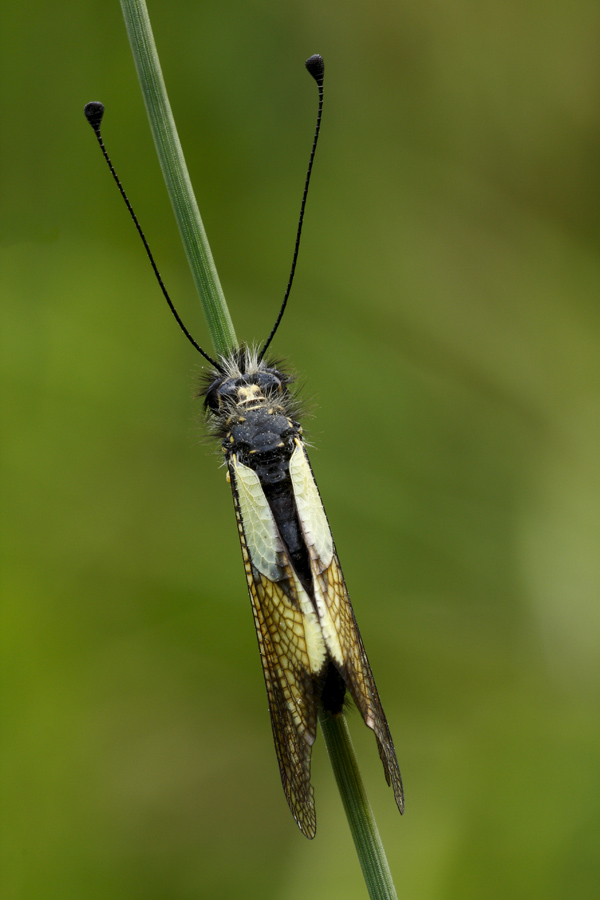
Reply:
x=267, y=381
x=212, y=401
x=211, y=398
x=217, y=393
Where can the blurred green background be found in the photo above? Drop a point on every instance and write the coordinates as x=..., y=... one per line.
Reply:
x=446, y=325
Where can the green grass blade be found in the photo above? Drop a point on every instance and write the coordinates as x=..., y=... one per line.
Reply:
x=176, y=176
x=365, y=834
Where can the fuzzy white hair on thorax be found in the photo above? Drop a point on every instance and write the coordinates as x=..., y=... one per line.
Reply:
x=243, y=361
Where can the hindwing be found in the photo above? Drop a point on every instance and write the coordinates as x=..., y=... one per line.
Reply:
x=336, y=615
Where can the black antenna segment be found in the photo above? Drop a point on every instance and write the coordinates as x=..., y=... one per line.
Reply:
x=316, y=67
x=93, y=113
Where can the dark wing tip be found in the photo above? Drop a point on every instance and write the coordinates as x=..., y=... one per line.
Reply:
x=391, y=768
x=308, y=827
x=398, y=792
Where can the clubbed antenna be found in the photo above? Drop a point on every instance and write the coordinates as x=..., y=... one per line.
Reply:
x=94, y=112
x=316, y=67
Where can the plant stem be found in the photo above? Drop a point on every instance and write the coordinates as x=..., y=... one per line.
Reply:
x=365, y=834
x=176, y=176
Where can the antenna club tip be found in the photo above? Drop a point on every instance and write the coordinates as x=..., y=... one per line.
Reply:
x=316, y=66
x=93, y=112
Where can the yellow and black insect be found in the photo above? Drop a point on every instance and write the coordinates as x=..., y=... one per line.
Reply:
x=310, y=646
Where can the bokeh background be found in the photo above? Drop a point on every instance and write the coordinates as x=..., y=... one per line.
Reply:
x=445, y=323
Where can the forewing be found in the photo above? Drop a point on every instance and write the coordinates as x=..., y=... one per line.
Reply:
x=337, y=616
x=289, y=639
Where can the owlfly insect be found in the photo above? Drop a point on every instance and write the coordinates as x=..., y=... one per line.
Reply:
x=311, y=650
